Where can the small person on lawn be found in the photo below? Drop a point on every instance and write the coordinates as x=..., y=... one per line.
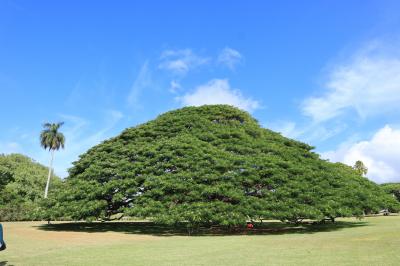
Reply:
x=2, y=243
x=250, y=225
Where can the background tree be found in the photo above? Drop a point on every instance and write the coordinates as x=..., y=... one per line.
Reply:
x=361, y=169
x=52, y=139
x=5, y=176
x=392, y=189
x=21, y=196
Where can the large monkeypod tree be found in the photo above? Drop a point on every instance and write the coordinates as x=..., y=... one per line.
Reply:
x=212, y=165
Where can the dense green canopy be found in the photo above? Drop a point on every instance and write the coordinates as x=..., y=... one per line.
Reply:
x=213, y=165
x=20, y=198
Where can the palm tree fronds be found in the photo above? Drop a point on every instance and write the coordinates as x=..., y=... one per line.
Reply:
x=51, y=138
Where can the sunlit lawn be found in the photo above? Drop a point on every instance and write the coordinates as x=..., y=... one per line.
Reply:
x=371, y=241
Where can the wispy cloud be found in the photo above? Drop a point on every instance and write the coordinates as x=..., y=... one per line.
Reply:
x=80, y=136
x=142, y=82
x=229, y=57
x=180, y=62
x=10, y=147
x=80, y=139
x=369, y=84
x=218, y=91
x=381, y=154
x=308, y=132
x=175, y=86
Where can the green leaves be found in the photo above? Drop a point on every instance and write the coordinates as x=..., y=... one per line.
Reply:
x=5, y=176
x=20, y=196
x=392, y=189
x=212, y=165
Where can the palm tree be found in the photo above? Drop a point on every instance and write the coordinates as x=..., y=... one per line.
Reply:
x=360, y=167
x=51, y=139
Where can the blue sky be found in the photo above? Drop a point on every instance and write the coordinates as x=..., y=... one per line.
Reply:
x=324, y=72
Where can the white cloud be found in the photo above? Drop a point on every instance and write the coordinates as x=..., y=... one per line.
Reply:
x=218, y=91
x=368, y=84
x=143, y=81
x=180, y=62
x=381, y=154
x=229, y=57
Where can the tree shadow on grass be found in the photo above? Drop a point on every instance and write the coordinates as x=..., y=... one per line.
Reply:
x=150, y=228
x=5, y=263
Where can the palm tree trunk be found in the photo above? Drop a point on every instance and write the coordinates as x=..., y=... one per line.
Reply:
x=49, y=176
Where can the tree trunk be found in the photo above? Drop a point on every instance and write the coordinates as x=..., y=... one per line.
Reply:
x=49, y=176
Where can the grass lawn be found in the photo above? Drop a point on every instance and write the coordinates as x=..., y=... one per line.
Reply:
x=371, y=241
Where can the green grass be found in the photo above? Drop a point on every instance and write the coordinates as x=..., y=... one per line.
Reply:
x=372, y=241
